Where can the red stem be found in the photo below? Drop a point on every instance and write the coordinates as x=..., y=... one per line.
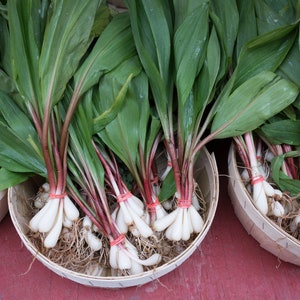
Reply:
x=170, y=147
x=45, y=149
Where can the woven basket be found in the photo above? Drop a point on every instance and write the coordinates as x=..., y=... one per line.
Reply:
x=3, y=204
x=206, y=174
x=268, y=234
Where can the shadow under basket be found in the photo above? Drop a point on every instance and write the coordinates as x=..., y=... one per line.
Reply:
x=206, y=174
x=267, y=233
x=3, y=204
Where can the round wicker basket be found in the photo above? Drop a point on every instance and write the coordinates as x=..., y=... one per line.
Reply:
x=206, y=174
x=269, y=235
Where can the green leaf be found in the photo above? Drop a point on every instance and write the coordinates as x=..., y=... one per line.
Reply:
x=205, y=85
x=247, y=29
x=282, y=132
x=226, y=19
x=6, y=83
x=102, y=19
x=114, y=45
x=265, y=53
x=66, y=39
x=251, y=104
x=9, y=179
x=290, y=67
x=107, y=116
x=168, y=187
x=190, y=49
x=272, y=14
x=125, y=132
x=17, y=155
x=16, y=119
x=5, y=63
x=24, y=50
x=284, y=182
x=151, y=29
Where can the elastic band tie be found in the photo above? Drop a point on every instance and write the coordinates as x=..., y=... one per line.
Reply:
x=152, y=206
x=123, y=197
x=57, y=196
x=257, y=179
x=184, y=203
x=118, y=240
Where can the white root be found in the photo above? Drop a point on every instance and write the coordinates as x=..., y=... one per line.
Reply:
x=162, y=223
x=260, y=198
x=70, y=210
x=48, y=221
x=67, y=222
x=42, y=196
x=34, y=222
x=196, y=220
x=131, y=215
x=295, y=223
x=91, y=239
x=55, y=213
x=180, y=223
x=124, y=256
x=276, y=209
x=53, y=235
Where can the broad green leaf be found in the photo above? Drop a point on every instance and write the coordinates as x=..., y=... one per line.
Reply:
x=107, y=116
x=124, y=133
x=284, y=182
x=17, y=155
x=252, y=103
x=66, y=39
x=102, y=19
x=151, y=29
x=5, y=47
x=159, y=30
x=205, y=84
x=227, y=26
x=6, y=83
x=272, y=14
x=265, y=53
x=282, y=132
x=168, y=187
x=247, y=29
x=9, y=179
x=24, y=50
x=190, y=41
x=17, y=120
x=290, y=67
x=114, y=45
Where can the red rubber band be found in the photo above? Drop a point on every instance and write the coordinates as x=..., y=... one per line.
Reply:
x=152, y=206
x=118, y=240
x=184, y=203
x=257, y=179
x=57, y=196
x=123, y=197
